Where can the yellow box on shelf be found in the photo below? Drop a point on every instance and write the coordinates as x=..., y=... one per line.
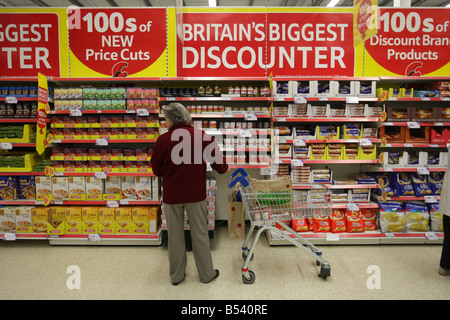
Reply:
x=29, y=161
x=367, y=152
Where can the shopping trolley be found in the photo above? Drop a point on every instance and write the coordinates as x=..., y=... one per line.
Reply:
x=266, y=210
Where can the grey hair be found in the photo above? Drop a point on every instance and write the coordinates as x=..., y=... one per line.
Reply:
x=176, y=113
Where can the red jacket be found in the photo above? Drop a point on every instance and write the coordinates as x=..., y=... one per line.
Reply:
x=178, y=157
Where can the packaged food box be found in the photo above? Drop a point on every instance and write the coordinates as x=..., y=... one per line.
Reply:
x=140, y=217
x=123, y=220
x=129, y=188
x=154, y=219
x=143, y=188
x=106, y=219
x=113, y=188
x=24, y=221
x=94, y=188
x=7, y=188
x=27, y=187
x=56, y=221
x=73, y=220
x=40, y=216
x=77, y=188
x=8, y=219
x=89, y=218
x=60, y=187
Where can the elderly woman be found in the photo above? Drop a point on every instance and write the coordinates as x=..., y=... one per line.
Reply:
x=179, y=157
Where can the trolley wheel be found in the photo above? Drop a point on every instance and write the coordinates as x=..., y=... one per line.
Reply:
x=249, y=280
x=325, y=271
x=245, y=255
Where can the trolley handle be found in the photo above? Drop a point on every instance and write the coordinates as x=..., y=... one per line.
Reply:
x=237, y=171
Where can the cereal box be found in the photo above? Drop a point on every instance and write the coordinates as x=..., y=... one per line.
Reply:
x=106, y=219
x=140, y=217
x=94, y=188
x=77, y=188
x=7, y=188
x=123, y=220
x=60, y=187
x=89, y=217
x=113, y=189
x=40, y=216
x=154, y=219
x=143, y=188
x=7, y=219
x=24, y=222
x=27, y=187
x=56, y=224
x=129, y=188
x=73, y=220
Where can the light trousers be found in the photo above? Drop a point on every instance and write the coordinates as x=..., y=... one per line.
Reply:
x=197, y=216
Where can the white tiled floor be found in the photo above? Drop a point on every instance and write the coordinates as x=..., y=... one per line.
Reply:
x=37, y=270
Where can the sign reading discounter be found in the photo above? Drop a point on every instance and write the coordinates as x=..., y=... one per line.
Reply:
x=116, y=42
x=259, y=44
x=29, y=43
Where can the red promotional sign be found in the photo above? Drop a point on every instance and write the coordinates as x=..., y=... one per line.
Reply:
x=29, y=43
x=411, y=42
x=222, y=44
x=310, y=44
x=118, y=42
x=260, y=44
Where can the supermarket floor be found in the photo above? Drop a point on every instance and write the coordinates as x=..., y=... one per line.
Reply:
x=37, y=270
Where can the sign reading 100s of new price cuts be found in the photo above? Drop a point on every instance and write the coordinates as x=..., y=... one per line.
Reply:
x=117, y=42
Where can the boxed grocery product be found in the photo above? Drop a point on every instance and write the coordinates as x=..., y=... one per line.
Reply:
x=365, y=89
x=398, y=114
x=352, y=131
x=27, y=187
x=129, y=188
x=419, y=135
x=392, y=133
x=344, y=88
x=89, y=218
x=140, y=218
x=328, y=132
x=106, y=219
x=24, y=220
x=424, y=114
x=94, y=188
x=8, y=188
x=123, y=220
x=113, y=188
x=56, y=223
x=303, y=88
x=319, y=111
x=73, y=219
x=144, y=188
x=351, y=151
x=60, y=187
x=334, y=151
x=392, y=217
x=317, y=151
x=8, y=219
x=77, y=188
x=325, y=89
x=282, y=89
x=154, y=219
x=40, y=216
x=367, y=152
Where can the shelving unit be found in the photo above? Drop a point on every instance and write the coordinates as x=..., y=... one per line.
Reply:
x=236, y=110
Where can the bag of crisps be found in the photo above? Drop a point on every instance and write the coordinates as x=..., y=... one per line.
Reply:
x=321, y=223
x=354, y=221
x=300, y=225
x=369, y=218
x=337, y=221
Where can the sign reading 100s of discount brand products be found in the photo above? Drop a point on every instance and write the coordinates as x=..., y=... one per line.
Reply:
x=117, y=43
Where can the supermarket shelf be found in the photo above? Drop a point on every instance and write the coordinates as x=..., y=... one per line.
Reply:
x=402, y=198
x=109, y=140
x=326, y=99
x=422, y=124
x=309, y=161
x=92, y=174
x=417, y=99
x=18, y=120
x=30, y=173
x=342, y=186
x=286, y=119
x=217, y=115
x=85, y=239
x=362, y=205
x=414, y=145
x=2, y=99
x=249, y=166
x=78, y=203
x=221, y=98
x=369, y=168
x=68, y=112
x=373, y=140
x=368, y=237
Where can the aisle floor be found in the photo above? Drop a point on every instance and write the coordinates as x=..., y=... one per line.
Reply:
x=37, y=270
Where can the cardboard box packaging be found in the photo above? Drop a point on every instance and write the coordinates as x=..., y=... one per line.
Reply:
x=89, y=217
x=73, y=220
x=40, y=216
x=140, y=217
x=43, y=187
x=24, y=221
x=123, y=220
x=7, y=219
x=106, y=219
x=77, y=188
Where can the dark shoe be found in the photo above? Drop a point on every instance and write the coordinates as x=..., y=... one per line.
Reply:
x=444, y=272
x=177, y=283
x=215, y=277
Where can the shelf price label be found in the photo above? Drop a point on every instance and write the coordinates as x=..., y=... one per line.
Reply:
x=431, y=236
x=6, y=145
x=112, y=204
x=75, y=113
x=142, y=112
x=250, y=117
x=101, y=142
x=11, y=99
x=365, y=142
x=413, y=125
x=430, y=199
x=423, y=170
x=9, y=236
x=100, y=175
x=245, y=133
x=94, y=237
x=300, y=100
x=351, y=100
x=297, y=163
x=352, y=207
x=299, y=143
